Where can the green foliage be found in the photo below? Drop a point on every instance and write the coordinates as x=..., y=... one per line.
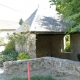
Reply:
x=17, y=78
x=22, y=56
x=67, y=49
x=67, y=37
x=10, y=45
x=42, y=78
x=35, y=78
x=6, y=52
x=21, y=21
x=20, y=38
x=1, y=58
x=9, y=55
x=1, y=41
x=71, y=13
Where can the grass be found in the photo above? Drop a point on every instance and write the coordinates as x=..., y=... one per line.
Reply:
x=35, y=78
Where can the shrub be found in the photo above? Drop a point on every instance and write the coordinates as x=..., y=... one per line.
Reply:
x=22, y=56
x=7, y=58
x=9, y=55
x=35, y=78
x=6, y=52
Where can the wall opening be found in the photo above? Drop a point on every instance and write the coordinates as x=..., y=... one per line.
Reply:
x=48, y=45
x=67, y=43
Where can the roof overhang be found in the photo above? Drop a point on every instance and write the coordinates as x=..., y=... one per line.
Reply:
x=46, y=32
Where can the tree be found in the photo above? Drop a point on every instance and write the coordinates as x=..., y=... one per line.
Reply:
x=70, y=9
x=21, y=21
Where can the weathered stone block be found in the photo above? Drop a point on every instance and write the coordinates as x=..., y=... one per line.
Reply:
x=42, y=65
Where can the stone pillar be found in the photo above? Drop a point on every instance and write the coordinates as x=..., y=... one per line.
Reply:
x=75, y=45
x=57, y=45
x=31, y=45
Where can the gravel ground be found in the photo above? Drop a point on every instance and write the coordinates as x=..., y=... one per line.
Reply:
x=57, y=76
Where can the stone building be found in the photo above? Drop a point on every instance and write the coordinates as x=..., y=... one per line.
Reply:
x=6, y=27
x=48, y=30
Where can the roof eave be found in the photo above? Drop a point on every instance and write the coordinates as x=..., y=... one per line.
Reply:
x=47, y=32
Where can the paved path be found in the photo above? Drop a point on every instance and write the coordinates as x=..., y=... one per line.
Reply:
x=1, y=73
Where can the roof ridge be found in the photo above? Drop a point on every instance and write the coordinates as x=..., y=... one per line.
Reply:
x=31, y=17
x=34, y=18
x=28, y=22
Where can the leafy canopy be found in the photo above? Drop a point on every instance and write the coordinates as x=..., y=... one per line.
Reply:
x=71, y=13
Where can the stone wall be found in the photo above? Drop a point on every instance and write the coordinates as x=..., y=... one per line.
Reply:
x=42, y=45
x=42, y=66
x=75, y=45
x=29, y=46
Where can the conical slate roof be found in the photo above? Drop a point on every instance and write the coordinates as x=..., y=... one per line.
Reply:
x=48, y=20
x=26, y=25
x=44, y=20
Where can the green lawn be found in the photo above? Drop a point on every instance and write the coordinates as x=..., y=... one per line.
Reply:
x=35, y=78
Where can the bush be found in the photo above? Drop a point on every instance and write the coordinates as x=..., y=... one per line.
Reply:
x=22, y=56
x=6, y=52
x=35, y=78
x=9, y=55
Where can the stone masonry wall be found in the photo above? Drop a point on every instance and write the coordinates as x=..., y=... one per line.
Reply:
x=42, y=66
x=75, y=46
x=29, y=46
